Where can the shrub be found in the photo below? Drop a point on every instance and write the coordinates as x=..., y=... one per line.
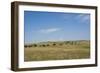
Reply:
x=43, y=45
x=25, y=46
x=67, y=42
x=35, y=45
x=54, y=44
x=72, y=42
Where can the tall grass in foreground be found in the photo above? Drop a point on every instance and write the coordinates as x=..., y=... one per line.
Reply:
x=57, y=51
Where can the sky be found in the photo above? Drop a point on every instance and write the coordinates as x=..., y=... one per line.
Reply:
x=42, y=26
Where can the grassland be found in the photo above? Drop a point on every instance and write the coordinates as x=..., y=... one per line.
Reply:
x=59, y=50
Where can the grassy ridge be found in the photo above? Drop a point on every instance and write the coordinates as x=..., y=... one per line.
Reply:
x=59, y=50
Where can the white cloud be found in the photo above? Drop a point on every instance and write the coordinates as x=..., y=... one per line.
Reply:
x=83, y=17
x=49, y=30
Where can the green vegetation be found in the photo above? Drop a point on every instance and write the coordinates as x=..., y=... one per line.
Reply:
x=59, y=50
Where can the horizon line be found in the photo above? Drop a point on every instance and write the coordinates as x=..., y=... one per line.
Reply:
x=54, y=41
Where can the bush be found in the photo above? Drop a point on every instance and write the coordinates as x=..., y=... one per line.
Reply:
x=30, y=46
x=43, y=45
x=25, y=46
x=35, y=45
x=72, y=42
x=54, y=44
x=67, y=42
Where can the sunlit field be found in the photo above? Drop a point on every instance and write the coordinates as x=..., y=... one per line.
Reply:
x=59, y=50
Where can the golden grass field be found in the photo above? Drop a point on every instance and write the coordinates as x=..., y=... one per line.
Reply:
x=60, y=50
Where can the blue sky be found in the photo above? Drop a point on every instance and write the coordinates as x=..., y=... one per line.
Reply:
x=55, y=26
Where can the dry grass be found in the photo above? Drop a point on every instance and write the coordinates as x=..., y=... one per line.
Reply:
x=57, y=52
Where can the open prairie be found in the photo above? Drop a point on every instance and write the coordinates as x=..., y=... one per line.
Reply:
x=59, y=50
